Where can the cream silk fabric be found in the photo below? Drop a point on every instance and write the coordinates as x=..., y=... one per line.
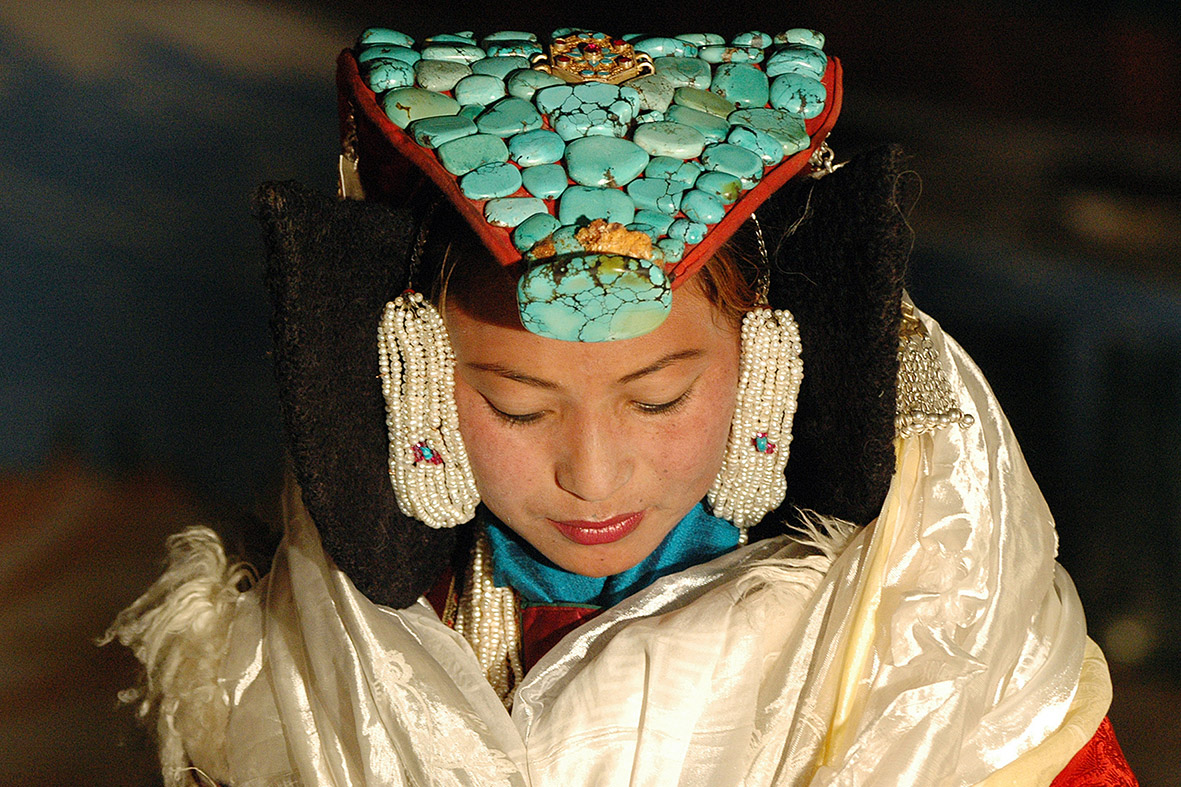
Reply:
x=934, y=647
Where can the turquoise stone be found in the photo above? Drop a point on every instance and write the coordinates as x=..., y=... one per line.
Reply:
x=687, y=231
x=654, y=219
x=660, y=46
x=471, y=111
x=656, y=194
x=548, y=99
x=730, y=54
x=388, y=52
x=508, y=116
x=666, y=138
x=799, y=94
x=464, y=37
x=511, y=211
x=701, y=39
x=724, y=157
x=647, y=229
x=712, y=127
x=590, y=109
x=671, y=249
x=604, y=161
x=439, y=75
x=801, y=35
x=798, y=59
x=383, y=75
x=525, y=82
x=521, y=49
x=683, y=71
x=703, y=101
x=509, y=35
x=453, y=52
x=561, y=32
x=649, y=117
x=432, y=132
x=479, y=89
x=566, y=241
x=404, y=104
x=384, y=35
x=531, y=148
x=758, y=142
x=594, y=298
x=741, y=85
x=546, y=181
x=534, y=230
x=753, y=39
x=784, y=126
x=490, y=180
x=668, y=168
x=584, y=204
x=656, y=92
x=726, y=187
x=499, y=66
x=701, y=206
x=461, y=156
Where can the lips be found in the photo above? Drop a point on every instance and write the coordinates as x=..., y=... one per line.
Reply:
x=595, y=533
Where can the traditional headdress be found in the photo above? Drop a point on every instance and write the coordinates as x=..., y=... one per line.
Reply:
x=609, y=170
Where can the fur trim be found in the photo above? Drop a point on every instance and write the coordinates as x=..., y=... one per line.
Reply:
x=179, y=630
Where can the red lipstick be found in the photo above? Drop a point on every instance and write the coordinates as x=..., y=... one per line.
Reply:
x=604, y=532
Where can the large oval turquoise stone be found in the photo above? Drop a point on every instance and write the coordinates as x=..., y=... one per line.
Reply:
x=799, y=94
x=594, y=298
x=432, y=132
x=439, y=75
x=540, y=146
x=584, y=204
x=479, y=89
x=783, y=126
x=656, y=92
x=712, y=127
x=383, y=75
x=525, y=82
x=731, y=54
x=736, y=160
x=384, y=35
x=509, y=116
x=726, y=187
x=455, y=52
x=758, y=142
x=702, y=206
x=604, y=161
x=703, y=101
x=798, y=59
x=490, y=181
x=667, y=138
x=461, y=156
x=534, y=230
x=405, y=104
x=660, y=46
x=741, y=85
x=499, y=66
x=546, y=181
x=684, y=71
x=511, y=211
x=656, y=194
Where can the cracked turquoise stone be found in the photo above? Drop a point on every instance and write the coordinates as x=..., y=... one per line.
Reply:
x=388, y=52
x=433, y=132
x=799, y=94
x=604, y=161
x=687, y=231
x=509, y=116
x=725, y=157
x=649, y=117
x=499, y=66
x=726, y=187
x=525, y=82
x=439, y=75
x=753, y=38
x=584, y=204
x=490, y=181
x=701, y=206
x=456, y=52
x=703, y=101
x=534, y=230
x=384, y=35
x=787, y=128
x=656, y=92
x=741, y=85
x=671, y=249
x=802, y=35
x=666, y=138
x=731, y=54
x=683, y=71
x=405, y=104
x=668, y=168
x=383, y=75
x=712, y=127
x=464, y=154
x=479, y=89
x=546, y=181
x=509, y=35
x=540, y=146
x=657, y=194
x=594, y=298
x=661, y=46
x=758, y=142
x=589, y=109
x=511, y=211
x=701, y=39
x=655, y=219
x=798, y=59
x=521, y=49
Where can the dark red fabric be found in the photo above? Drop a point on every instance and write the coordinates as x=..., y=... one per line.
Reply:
x=1100, y=763
x=544, y=627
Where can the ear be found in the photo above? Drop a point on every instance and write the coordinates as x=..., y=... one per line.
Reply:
x=331, y=267
x=839, y=246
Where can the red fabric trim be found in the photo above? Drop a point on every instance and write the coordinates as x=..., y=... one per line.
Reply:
x=1100, y=763
x=544, y=626
x=392, y=168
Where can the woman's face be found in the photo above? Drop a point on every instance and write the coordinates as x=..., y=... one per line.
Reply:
x=593, y=452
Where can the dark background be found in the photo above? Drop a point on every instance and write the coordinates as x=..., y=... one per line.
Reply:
x=135, y=387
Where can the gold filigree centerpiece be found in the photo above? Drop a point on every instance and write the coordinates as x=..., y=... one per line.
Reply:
x=593, y=57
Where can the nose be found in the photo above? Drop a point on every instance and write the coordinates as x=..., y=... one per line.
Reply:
x=593, y=462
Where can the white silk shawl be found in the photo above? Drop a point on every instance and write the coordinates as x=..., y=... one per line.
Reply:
x=937, y=646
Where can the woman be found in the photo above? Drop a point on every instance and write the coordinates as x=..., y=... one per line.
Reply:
x=607, y=363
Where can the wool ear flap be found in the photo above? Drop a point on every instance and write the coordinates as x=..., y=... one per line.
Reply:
x=331, y=267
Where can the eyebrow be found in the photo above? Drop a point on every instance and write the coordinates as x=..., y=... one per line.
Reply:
x=537, y=382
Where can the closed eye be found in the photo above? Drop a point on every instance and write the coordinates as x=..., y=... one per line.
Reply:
x=514, y=419
x=661, y=408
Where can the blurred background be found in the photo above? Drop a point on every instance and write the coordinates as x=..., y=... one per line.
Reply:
x=135, y=387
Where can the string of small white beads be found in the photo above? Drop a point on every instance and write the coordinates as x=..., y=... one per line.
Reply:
x=417, y=368
x=487, y=619
x=751, y=482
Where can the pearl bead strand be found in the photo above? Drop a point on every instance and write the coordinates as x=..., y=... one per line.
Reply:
x=487, y=619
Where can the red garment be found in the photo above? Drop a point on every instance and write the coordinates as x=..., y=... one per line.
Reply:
x=1100, y=763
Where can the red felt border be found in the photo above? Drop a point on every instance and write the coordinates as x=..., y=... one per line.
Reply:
x=391, y=165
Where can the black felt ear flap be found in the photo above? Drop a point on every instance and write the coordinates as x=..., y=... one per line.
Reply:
x=839, y=247
x=332, y=265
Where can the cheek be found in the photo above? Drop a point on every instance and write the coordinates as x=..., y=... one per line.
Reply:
x=496, y=454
